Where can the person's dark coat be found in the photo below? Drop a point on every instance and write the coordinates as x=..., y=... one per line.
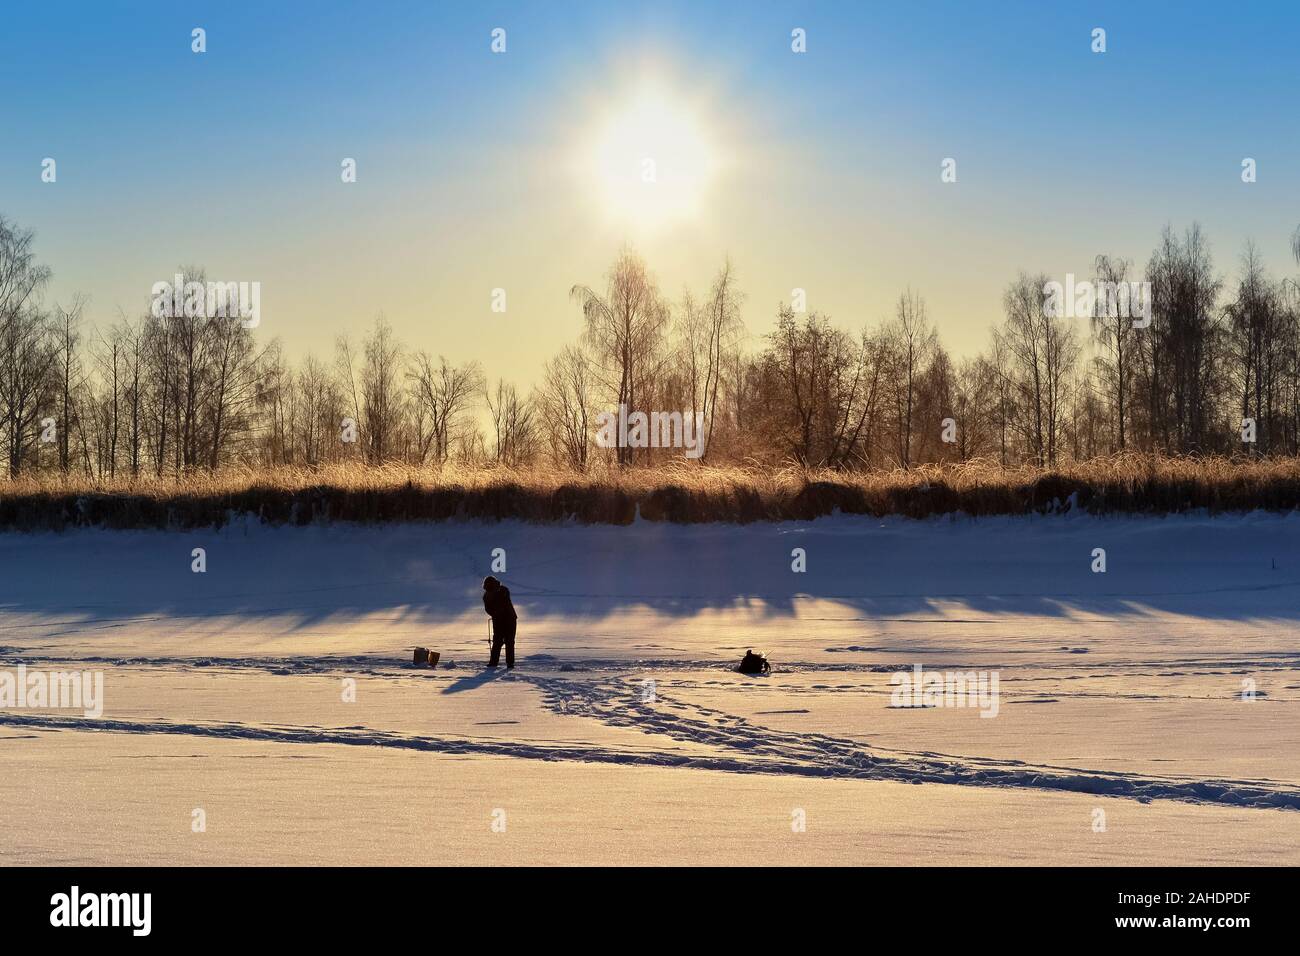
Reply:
x=497, y=603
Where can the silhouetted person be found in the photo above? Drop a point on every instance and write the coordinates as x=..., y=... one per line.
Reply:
x=496, y=601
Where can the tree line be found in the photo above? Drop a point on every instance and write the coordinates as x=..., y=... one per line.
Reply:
x=169, y=396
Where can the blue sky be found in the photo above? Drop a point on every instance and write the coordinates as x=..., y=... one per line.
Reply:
x=470, y=169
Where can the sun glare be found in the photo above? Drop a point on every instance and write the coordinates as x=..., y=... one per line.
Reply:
x=652, y=161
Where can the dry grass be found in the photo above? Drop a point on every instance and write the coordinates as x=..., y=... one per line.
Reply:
x=680, y=493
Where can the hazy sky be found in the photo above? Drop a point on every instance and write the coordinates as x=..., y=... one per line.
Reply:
x=479, y=171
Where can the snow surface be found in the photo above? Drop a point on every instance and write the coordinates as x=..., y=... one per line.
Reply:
x=1120, y=692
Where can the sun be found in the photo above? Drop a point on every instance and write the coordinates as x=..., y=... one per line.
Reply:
x=651, y=160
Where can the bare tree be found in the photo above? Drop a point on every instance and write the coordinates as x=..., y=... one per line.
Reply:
x=935, y=400
x=235, y=385
x=445, y=394
x=321, y=405
x=710, y=333
x=1259, y=332
x=68, y=326
x=1042, y=350
x=1114, y=332
x=375, y=393
x=345, y=369
x=1179, y=367
x=811, y=383
x=28, y=350
x=625, y=330
x=513, y=426
x=564, y=402
x=912, y=342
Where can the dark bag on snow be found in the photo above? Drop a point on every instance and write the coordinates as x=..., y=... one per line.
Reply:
x=754, y=664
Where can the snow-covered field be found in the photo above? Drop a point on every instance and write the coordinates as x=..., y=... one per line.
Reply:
x=1148, y=714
